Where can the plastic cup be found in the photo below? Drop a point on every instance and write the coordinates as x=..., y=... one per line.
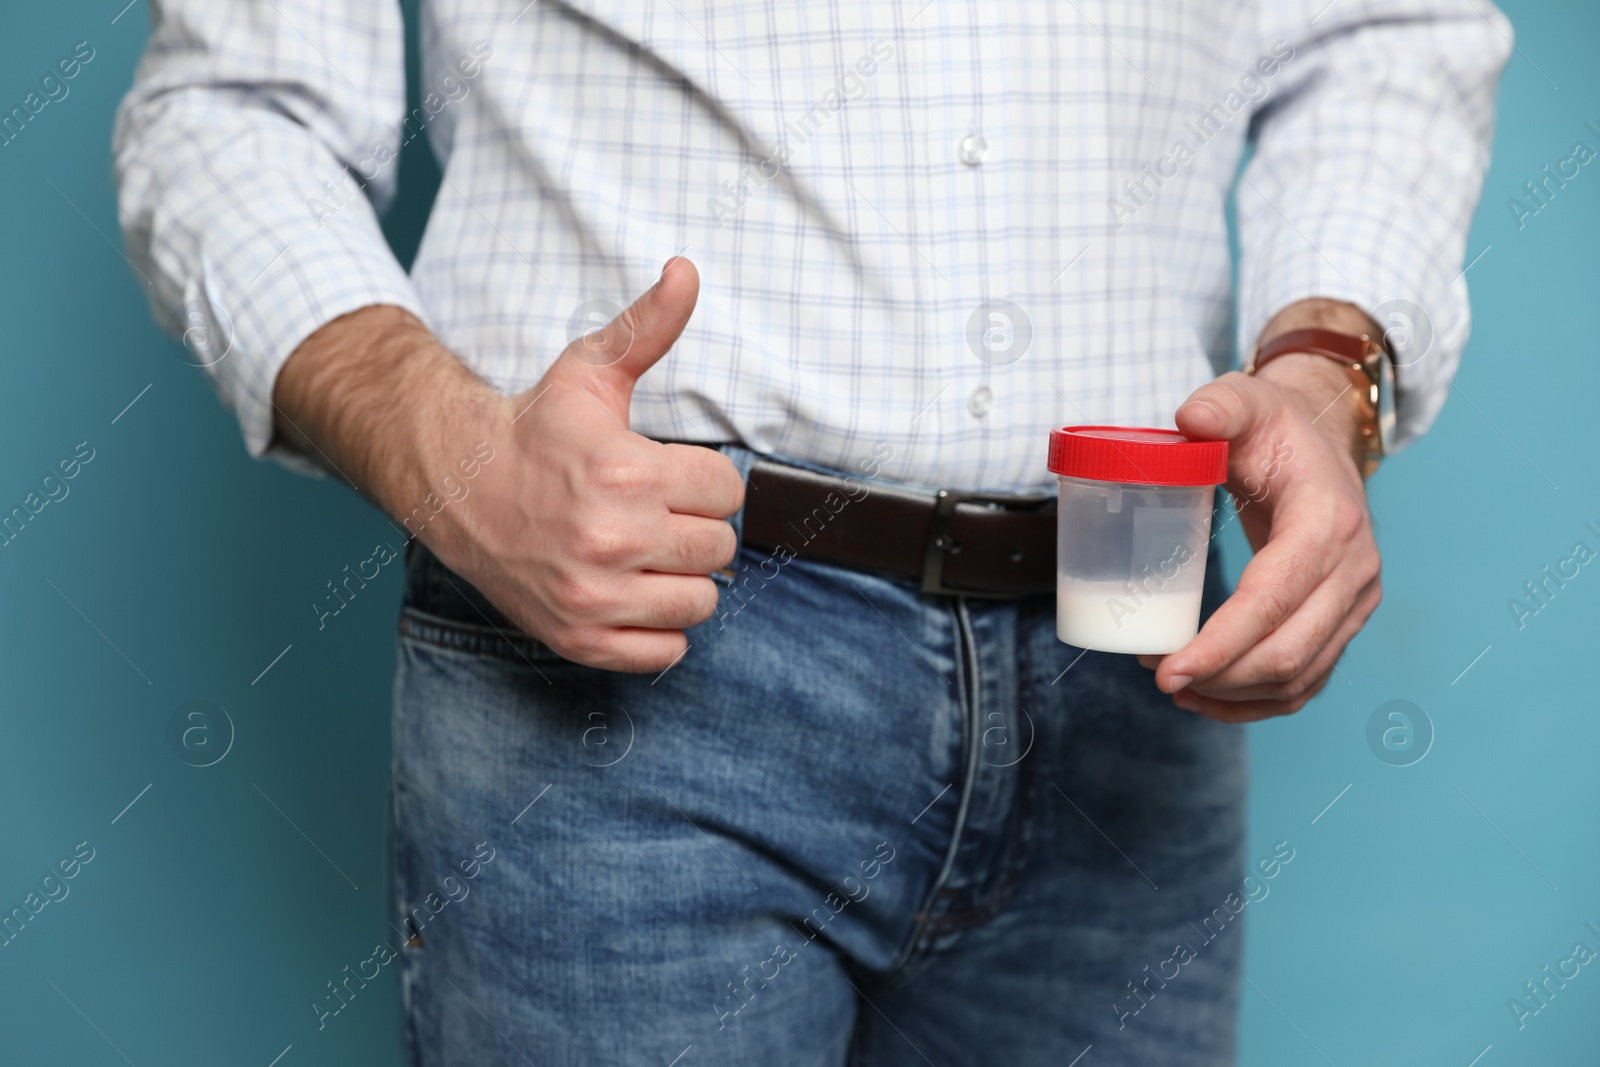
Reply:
x=1133, y=523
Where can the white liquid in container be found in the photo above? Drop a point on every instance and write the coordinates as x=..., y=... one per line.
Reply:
x=1107, y=617
x=1132, y=527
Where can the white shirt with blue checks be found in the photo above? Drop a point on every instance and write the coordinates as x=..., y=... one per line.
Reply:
x=947, y=226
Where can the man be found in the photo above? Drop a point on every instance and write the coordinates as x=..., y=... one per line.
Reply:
x=776, y=749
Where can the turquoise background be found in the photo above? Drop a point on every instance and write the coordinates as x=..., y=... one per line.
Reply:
x=177, y=569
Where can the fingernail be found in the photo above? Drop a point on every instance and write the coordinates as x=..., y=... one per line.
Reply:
x=1178, y=681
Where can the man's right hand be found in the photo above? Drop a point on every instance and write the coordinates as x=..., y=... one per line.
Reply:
x=590, y=537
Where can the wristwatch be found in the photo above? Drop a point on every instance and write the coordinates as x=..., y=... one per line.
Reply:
x=1371, y=370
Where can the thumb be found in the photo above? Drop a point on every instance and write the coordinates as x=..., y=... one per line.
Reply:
x=1223, y=410
x=611, y=359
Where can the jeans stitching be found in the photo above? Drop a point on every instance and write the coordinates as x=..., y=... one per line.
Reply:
x=454, y=636
x=932, y=908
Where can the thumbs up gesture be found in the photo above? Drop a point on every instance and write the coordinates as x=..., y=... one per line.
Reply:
x=592, y=538
x=604, y=540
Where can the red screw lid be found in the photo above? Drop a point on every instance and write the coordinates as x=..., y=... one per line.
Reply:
x=1137, y=456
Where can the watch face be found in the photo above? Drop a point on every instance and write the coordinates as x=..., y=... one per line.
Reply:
x=1385, y=404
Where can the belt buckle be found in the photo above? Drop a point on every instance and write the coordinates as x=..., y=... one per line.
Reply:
x=940, y=543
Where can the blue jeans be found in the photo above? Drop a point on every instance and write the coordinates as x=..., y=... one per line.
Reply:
x=854, y=824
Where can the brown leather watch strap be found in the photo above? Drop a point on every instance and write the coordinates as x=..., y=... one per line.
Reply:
x=1368, y=377
x=981, y=545
x=1346, y=348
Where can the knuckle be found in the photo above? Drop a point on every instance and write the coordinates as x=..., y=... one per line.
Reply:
x=662, y=613
x=1298, y=693
x=1287, y=692
x=688, y=608
x=731, y=485
x=1284, y=664
x=1230, y=391
x=581, y=644
x=1347, y=521
x=670, y=655
x=712, y=476
x=580, y=598
x=708, y=471
x=1271, y=606
x=727, y=546
x=617, y=651
x=604, y=544
x=623, y=474
x=694, y=469
x=691, y=550
x=1231, y=386
x=715, y=546
x=709, y=597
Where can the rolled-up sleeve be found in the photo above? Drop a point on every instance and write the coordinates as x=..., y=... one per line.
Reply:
x=242, y=151
x=1369, y=162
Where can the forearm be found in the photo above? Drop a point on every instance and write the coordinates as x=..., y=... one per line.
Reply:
x=376, y=399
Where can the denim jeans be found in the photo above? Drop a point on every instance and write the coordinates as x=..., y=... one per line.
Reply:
x=854, y=824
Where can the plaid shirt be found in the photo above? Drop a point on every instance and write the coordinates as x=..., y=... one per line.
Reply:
x=947, y=226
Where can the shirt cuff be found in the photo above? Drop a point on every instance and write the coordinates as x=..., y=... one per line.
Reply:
x=257, y=298
x=1358, y=261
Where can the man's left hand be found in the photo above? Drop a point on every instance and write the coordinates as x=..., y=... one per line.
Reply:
x=1291, y=432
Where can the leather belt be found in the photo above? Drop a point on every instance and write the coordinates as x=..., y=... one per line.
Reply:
x=954, y=543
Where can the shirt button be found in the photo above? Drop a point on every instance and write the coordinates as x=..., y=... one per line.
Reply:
x=974, y=149
x=979, y=401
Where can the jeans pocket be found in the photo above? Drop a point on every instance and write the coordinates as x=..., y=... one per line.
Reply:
x=442, y=609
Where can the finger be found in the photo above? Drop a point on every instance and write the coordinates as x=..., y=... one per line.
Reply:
x=665, y=602
x=1242, y=711
x=1224, y=409
x=1239, y=707
x=700, y=481
x=689, y=544
x=636, y=651
x=611, y=359
x=1272, y=586
x=1308, y=641
x=1313, y=678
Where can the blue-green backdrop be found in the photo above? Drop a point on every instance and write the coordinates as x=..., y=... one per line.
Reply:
x=217, y=905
